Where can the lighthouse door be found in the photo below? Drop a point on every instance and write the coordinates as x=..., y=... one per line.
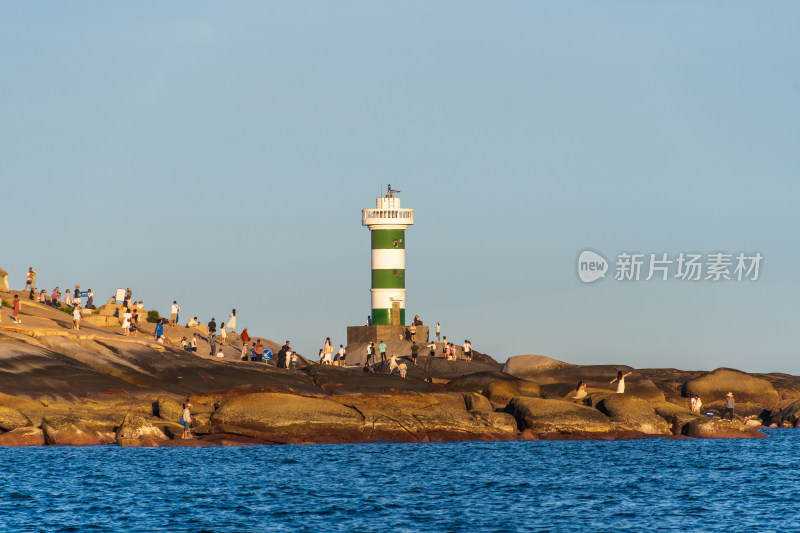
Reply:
x=395, y=313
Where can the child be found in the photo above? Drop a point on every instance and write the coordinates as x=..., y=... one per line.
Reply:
x=402, y=368
x=293, y=358
x=15, y=311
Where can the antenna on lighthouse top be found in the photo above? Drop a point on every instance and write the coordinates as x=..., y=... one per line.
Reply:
x=390, y=192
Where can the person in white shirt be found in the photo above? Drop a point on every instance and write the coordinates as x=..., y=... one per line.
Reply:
x=173, y=314
x=126, y=322
x=342, y=356
x=76, y=317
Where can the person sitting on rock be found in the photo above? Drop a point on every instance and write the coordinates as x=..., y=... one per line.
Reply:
x=580, y=391
x=620, y=379
x=192, y=323
x=368, y=368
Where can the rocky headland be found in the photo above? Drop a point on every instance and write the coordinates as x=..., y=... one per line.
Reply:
x=60, y=386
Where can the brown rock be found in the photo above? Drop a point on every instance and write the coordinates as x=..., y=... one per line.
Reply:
x=75, y=431
x=287, y=418
x=675, y=415
x=788, y=413
x=746, y=388
x=169, y=409
x=27, y=436
x=500, y=392
x=414, y=417
x=715, y=428
x=558, y=379
x=136, y=431
x=11, y=419
x=544, y=416
x=634, y=413
x=477, y=402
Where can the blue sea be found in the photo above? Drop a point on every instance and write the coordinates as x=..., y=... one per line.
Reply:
x=635, y=485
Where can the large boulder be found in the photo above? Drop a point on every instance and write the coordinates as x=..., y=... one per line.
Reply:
x=11, y=419
x=675, y=415
x=73, y=430
x=414, y=417
x=634, y=413
x=26, y=436
x=169, y=409
x=287, y=418
x=477, y=402
x=501, y=391
x=547, y=416
x=788, y=414
x=715, y=428
x=746, y=388
x=136, y=431
x=558, y=379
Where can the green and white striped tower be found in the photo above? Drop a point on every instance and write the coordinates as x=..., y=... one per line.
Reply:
x=387, y=224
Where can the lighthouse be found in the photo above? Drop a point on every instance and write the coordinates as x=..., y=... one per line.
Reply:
x=387, y=224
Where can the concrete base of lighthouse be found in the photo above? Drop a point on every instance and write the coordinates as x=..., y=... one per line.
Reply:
x=367, y=334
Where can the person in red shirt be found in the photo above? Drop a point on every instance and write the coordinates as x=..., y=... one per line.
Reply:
x=16, y=309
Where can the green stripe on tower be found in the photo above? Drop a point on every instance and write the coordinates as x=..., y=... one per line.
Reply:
x=388, y=279
x=388, y=239
x=383, y=317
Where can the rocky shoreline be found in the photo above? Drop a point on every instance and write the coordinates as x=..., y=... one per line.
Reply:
x=93, y=386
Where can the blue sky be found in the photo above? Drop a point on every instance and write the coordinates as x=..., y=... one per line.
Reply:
x=220, y=155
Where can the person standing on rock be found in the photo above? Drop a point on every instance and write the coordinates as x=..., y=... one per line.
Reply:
x=414, y=352
x=89, y=299
x=327, y=352
x=259, y=351
x=159, y=330
x=126, y=322
x=413, y=331
x=432, y=350
x=245, y=335
x=212, y=331
x=193, y=344
x=341, y=358
x=187, y=420
x=730, y=405
x=173, y=314
x=371, y=353
x=223, y=333
x=282, y=356
x=467, y=350
x=620, y=379
x=438, y=332
x=54, y=297
x=29, y=282
x=232, y=321
x=76, y=317
x=15, y=309
x=382, y=349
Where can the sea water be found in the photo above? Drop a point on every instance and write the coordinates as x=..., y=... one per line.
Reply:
x=634, y=485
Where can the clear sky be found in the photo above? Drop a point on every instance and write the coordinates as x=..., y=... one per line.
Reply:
x=220, y=154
